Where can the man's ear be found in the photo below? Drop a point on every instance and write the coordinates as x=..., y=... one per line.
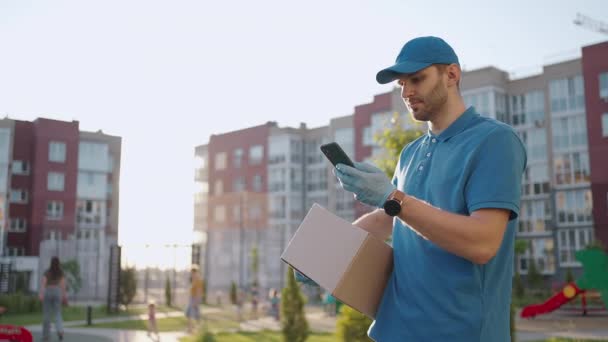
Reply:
x=454, y=74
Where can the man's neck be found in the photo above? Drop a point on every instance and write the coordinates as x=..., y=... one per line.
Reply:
x=451, y=111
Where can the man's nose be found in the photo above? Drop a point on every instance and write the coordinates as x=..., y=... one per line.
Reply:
x=406, y=92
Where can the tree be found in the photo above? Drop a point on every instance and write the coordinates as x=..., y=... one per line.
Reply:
x=128, y=285
x=393, y=139
x=293, y=320
x=71, y=269
x=233, y=293
x=168, y=292
x=255, y=265
x=535, y=279
x=512, y=324
x=352, y=325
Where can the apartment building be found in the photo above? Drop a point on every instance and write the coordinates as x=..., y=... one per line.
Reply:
x=62, y=189
x=561, y=115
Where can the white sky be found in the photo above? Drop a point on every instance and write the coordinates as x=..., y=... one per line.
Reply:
x=164, y=75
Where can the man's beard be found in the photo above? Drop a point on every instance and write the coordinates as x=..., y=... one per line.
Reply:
x=432, y=102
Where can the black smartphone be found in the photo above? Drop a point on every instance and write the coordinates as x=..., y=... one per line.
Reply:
x=336, y=154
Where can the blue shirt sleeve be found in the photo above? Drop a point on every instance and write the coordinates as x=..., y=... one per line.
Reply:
x=496, y=172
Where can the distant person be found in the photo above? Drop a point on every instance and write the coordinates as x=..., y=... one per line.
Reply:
x=196, y=296
x=330, y=304
x=274, y=304
x=152, y=326
x=254, y=301
x=53, y=295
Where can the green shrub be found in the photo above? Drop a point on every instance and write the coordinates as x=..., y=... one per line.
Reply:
x=128, y=285
x=168, y=292
x=518, y=286
x=512, y=320
x=233, y=294
x=18, y=303
x=293, y=320
x=352, y=325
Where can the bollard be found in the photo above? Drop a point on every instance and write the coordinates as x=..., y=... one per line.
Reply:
x=89, y=315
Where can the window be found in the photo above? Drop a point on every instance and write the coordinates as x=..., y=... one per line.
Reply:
x=569, y=132
x=54, y=210
x=540, y=250
x=605, y=125
x=219, y=187
x=239, y=184
x=571, y=168
x=20, y=167
x=236, y=214
x=256, y=183
x=220, y=213
x=256, y=154
x=574, y=207
x=17, y=225
x=55, y=181
x=18, y=196
x=567, y=94
x=570, y=241
x=276, y=180
x=220, y=161
x=90, y=212
x=534, y=216
x=15, y=251
x=367, y=136
x=237, y=158
x=57, y=152
x=603, y=78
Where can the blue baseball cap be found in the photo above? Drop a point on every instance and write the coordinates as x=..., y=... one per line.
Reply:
x=416, y=55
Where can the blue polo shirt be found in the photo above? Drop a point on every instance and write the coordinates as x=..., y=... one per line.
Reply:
x=432, y=294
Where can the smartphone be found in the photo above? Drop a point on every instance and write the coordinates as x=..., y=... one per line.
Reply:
x=336, y=154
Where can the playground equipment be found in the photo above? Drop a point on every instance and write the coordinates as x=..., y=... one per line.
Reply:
x=595, y=276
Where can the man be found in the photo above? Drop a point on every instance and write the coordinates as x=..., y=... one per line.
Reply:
x=451, y=209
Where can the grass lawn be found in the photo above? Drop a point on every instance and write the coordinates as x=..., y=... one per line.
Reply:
x=70, y=313
x=266, y=336
x=164, y=324
x=271, y=336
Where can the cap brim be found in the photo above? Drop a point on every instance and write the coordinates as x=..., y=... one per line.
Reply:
x=393, y=72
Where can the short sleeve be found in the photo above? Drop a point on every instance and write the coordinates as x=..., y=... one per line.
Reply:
x=496, y=172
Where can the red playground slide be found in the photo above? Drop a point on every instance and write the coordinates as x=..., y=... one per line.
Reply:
x=568, y=293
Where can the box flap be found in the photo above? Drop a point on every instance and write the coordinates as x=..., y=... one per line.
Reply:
x=323, y=246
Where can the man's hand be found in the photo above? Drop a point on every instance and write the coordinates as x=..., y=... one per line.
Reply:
x=369, y=184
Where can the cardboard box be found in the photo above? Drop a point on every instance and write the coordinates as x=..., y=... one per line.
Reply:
x=343, y=259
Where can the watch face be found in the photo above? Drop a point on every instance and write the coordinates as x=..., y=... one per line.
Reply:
x=392, y=207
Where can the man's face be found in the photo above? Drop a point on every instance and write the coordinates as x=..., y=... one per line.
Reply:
x=424, y=92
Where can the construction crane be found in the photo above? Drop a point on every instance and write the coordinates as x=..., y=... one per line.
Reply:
x=591, y=24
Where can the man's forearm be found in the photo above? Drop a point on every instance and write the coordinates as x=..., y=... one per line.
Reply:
x=474, y=237
x=376, y=223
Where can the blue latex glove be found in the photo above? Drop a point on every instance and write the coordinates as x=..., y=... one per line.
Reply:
x=304, y=279
x=369, y=184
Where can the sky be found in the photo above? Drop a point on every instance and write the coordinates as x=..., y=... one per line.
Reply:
x=165, y=75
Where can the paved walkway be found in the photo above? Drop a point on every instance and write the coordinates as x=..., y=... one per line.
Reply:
x=563, y=324
x=558, y=324
x=107, y=335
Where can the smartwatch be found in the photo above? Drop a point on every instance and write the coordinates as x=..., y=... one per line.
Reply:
x=392, y=206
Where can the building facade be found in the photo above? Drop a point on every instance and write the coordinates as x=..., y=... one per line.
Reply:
x=561, y=115
x=62, y=190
